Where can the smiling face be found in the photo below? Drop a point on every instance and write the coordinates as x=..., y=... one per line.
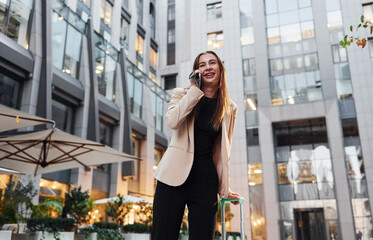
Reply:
x=209, y=68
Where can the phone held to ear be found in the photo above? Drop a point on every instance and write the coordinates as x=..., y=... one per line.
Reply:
x=197, y=78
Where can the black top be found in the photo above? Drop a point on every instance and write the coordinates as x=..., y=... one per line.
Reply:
x=204, y=133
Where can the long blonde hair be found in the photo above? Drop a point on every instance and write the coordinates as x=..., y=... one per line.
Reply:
x=223, y=103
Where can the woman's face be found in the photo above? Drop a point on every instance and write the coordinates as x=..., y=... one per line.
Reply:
x=209, y=68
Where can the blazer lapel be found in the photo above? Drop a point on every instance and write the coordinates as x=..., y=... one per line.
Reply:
x=190, y=124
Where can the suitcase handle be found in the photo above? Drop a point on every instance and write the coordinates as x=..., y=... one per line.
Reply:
x=242, y=225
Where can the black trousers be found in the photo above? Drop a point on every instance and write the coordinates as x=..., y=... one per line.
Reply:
x=199, y=193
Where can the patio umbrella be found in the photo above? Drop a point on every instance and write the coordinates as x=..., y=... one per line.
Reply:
x=127, y=198
x=54, y=150
x=5, y=171
x=11, y=118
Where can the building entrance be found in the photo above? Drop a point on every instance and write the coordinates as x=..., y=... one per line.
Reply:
x=310, y=224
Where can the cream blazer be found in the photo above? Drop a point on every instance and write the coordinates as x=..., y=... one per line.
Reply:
x=176, y=163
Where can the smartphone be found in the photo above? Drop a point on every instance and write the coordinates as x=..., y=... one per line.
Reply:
x=198, y=79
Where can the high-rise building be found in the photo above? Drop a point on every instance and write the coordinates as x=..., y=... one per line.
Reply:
x=92, y=67
x=301, y=147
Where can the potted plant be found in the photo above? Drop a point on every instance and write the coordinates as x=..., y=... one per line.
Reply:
x=51, y=228
x=4, y=235
x=136, y=231
x=102, y=231
x=16, y=205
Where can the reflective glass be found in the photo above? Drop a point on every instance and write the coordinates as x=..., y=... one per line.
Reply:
x=247, y=36
x=139, y=6
x=309, y=45
x=300, y=80
x=287, y=5
x=124, y=32
x=257, y=212
x=9, y=91
x=108, y=10
x=287, y=230
x=274, y=51
x=139, y=46
x=311, y=61
x=334, y=20
x=137, y=99
x=63, y=116
x=247, y=51
x=368, y=11
x=332, y=5
x=286, y=192
x=272, y=20
x=282, y=154
x=330, y=209
x=304, y=3
x=171, y=12
x=358, y=186
x=249, y=83
x=271, y=6
x=361, y=207
x=19, y=14
x=276, y=66
x=287, y=210
x=255, y=174
x=305, y=14
x=110, y=66
x=306, y=191
x=291, y=49
x=159, y=123
x=289, y=17
x=72, y=54
x=130, y=89
x=2, y=13
x=273, y=35
x=333, y=229
x=308, y=30
x=58, y=38
x=363, y=226
x=290, y=33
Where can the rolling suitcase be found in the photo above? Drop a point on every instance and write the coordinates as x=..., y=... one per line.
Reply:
x=242, y=225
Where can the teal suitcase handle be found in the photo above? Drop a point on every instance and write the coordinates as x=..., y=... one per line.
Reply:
x=242, y=225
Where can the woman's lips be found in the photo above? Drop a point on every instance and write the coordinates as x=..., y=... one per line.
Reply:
x=209, y=75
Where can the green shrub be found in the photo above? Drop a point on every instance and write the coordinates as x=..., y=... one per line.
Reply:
x=136, y=228
x=106, y=225
x=3, y=220
x=104, y=230
x=50, y=224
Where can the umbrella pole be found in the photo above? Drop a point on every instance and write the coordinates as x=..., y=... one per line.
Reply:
x=17, y=217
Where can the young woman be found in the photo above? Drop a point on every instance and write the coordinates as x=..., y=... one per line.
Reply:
x=195, y=167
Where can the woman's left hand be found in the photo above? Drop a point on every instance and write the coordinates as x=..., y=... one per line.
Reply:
x=234, y=195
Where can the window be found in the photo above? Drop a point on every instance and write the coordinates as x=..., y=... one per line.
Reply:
x=63, y=115
x=124, y=32
x=214, y=11
x=139, y=47
x=66, y=42
x=169, y=82
x=106, y=133
x=106, y=12
x=153, y=59
x=215, y=40
x=105, y=71
x=370, y=43
x=171, y=51
x=137, y=153
x=339, y=54
x=251, y=102
x=10, y=91
x=368, y=11
x=249, y=67
x=86, y=2
x=14, y=20
x=152, y=20
x=157, y=107
x=135, y=89
x=139, y=6
x=252, y=136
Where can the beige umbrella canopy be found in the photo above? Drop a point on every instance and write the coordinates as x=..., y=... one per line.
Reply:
x=11, y=118
x=54, y=150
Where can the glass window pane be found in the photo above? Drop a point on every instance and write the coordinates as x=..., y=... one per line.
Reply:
x=58, y=38
x=289, y=17
x=304, y=3
x=139, y=46
x=159, y=123
x=306, y=191
x=305, y=14
x=334, y=20
x=286, y=192
x=9, y=91
x=290, y=33
x=19, y=14
x=368, y=12
x=108, y=10
x=332, y=5
x=137, y=100
x=255, y=174
x=72, y=55
x=271, y=6
x=63, y=116
x=273, y=35
x=308, y=30
x=247, y=36
x=110, y=66
x=272, y=20
x=287, y=5
x=2, y=13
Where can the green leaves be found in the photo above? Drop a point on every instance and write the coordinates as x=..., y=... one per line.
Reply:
x=351, y=28
x=362, y=18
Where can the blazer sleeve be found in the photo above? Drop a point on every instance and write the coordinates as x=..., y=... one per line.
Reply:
x=181, y=104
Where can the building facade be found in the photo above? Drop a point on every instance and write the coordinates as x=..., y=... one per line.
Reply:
x=92, y=67
x=302, y=147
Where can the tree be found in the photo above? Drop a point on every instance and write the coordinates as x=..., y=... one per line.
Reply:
x=78, y=205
